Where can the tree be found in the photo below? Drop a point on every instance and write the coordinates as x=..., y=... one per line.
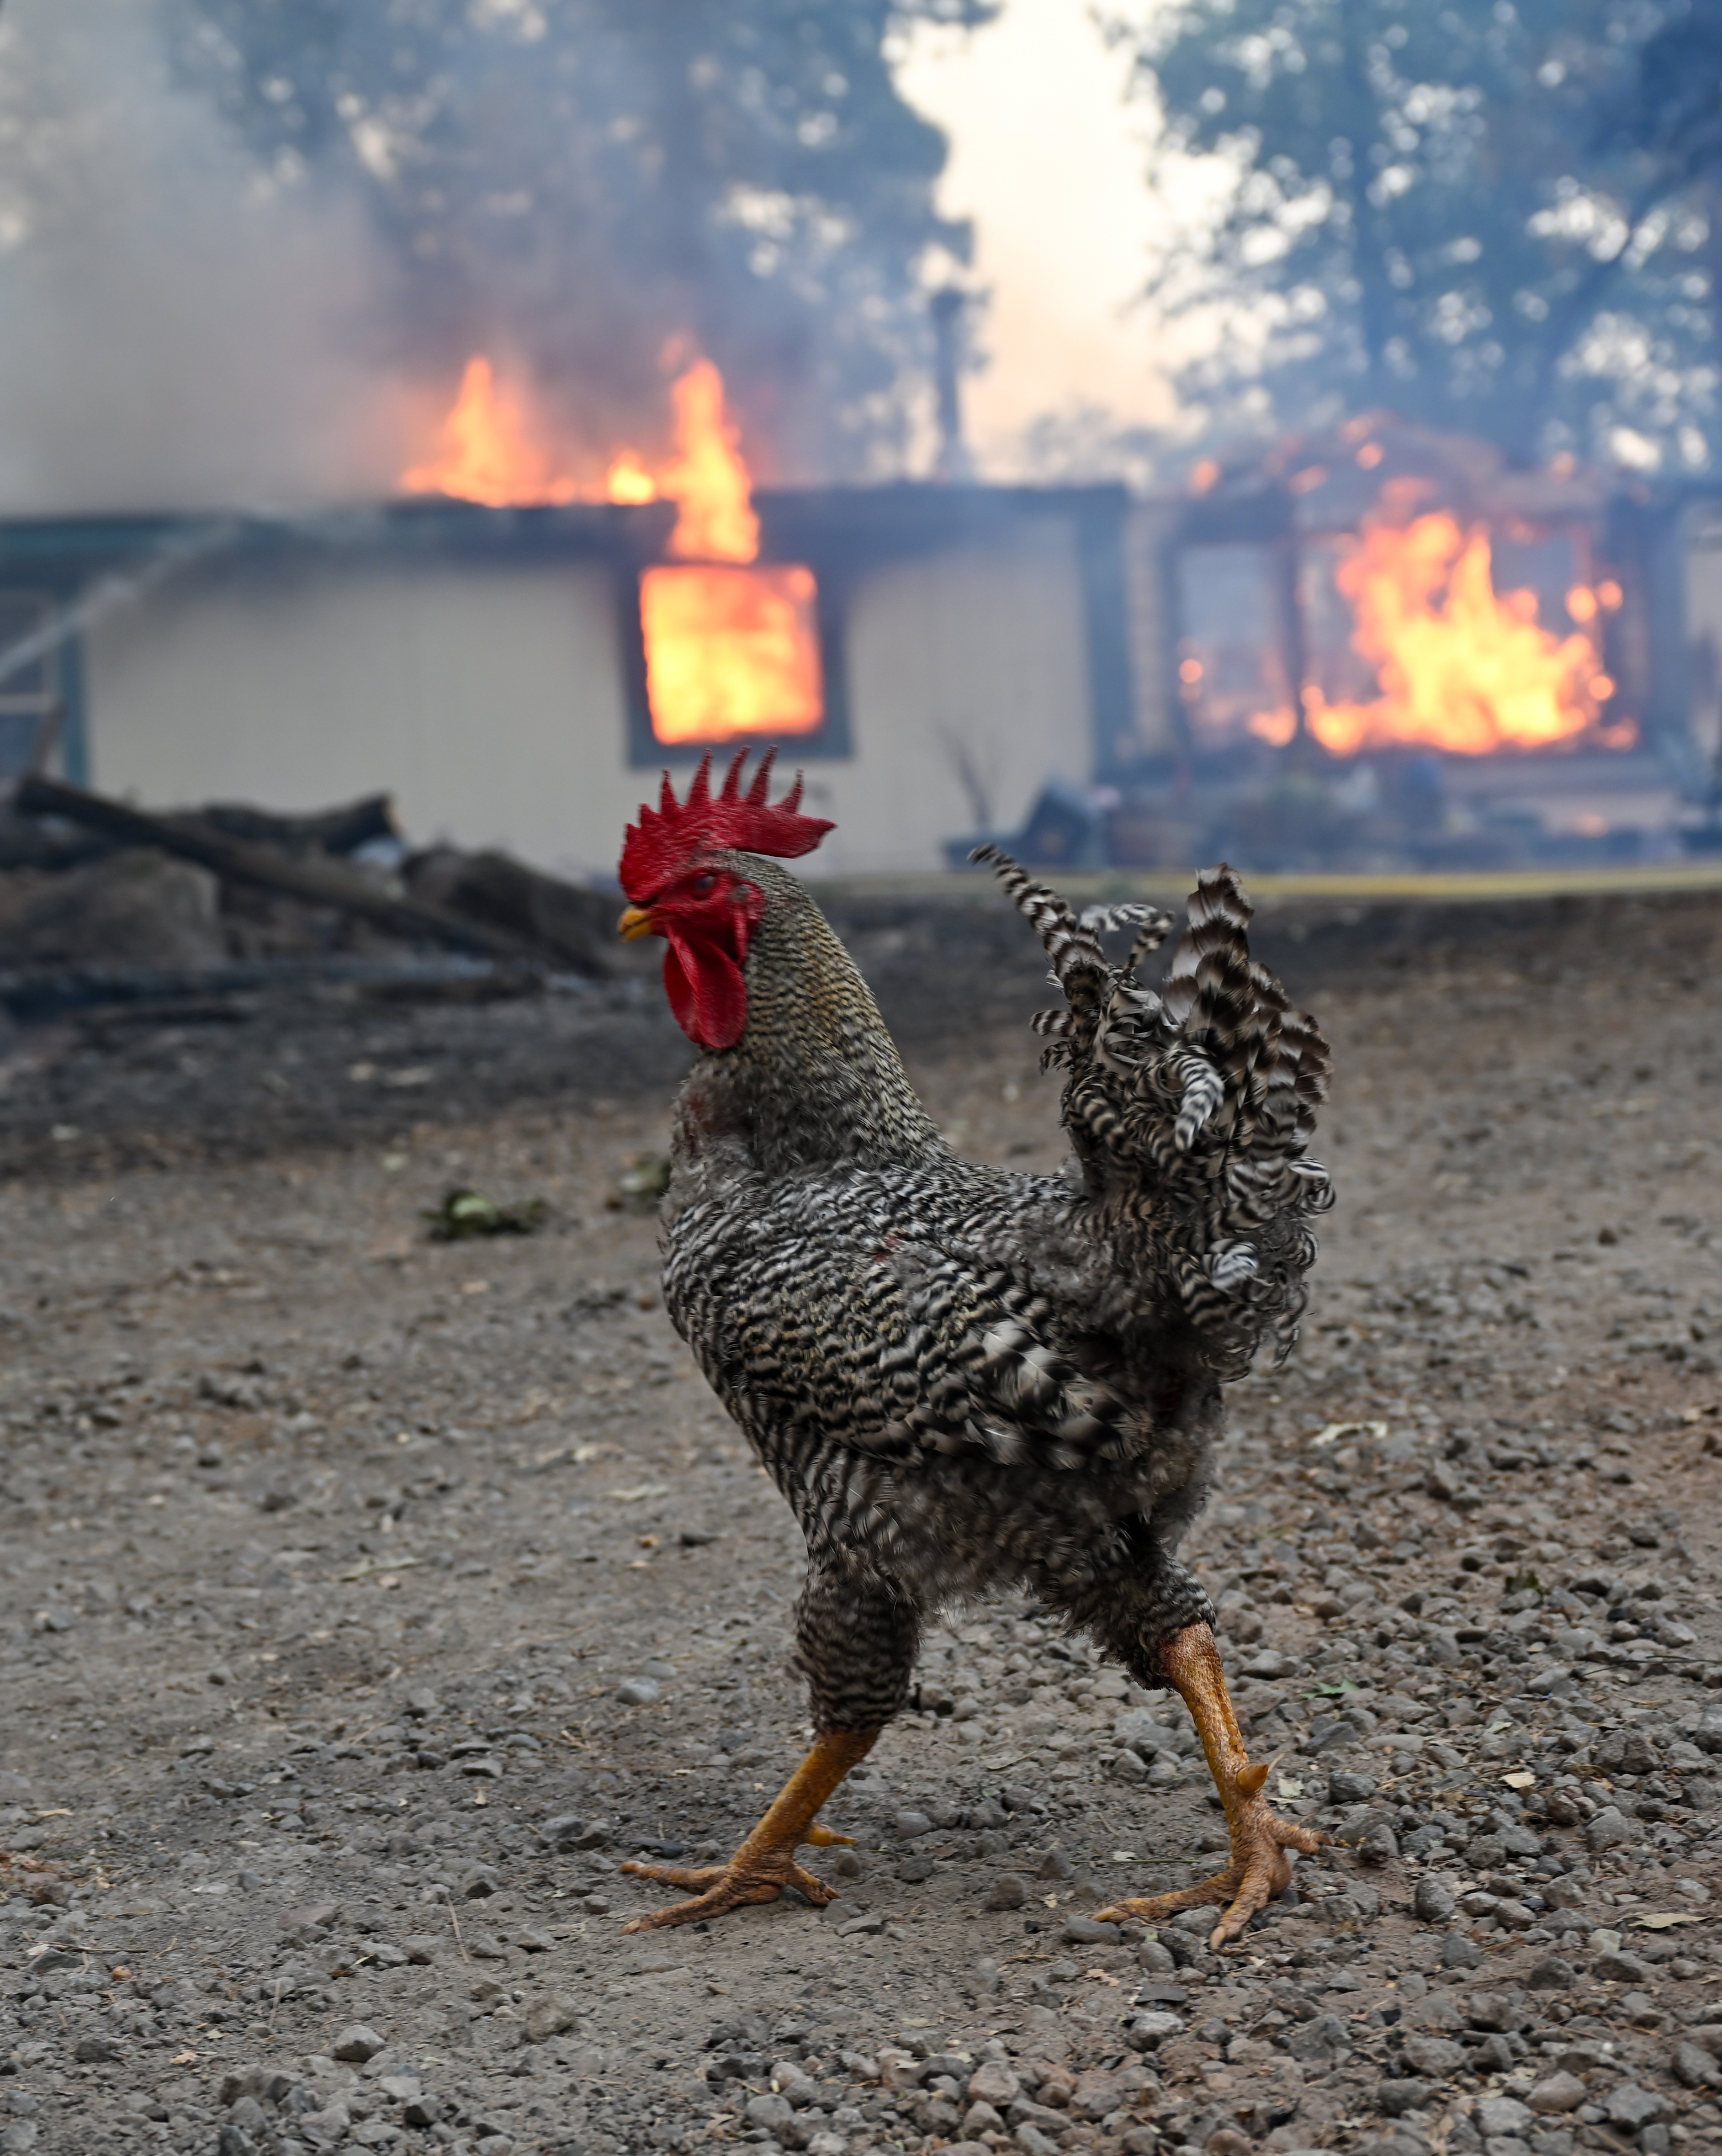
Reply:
x=579, y=184
x=1427, y=208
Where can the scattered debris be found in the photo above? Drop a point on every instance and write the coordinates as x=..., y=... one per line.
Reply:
x=643, y=1178
x=465, y=1212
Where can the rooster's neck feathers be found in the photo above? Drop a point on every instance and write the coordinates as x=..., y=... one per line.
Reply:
x=816, y=1077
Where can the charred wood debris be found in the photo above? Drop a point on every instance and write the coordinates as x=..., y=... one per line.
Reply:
x=110, y=911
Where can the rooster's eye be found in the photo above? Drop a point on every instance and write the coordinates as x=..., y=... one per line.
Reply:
x=703, y=884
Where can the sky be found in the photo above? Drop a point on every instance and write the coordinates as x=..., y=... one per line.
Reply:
x=1049, y=161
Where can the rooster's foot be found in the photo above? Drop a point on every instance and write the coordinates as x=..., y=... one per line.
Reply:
x=765, y=1863
x=1261, y=1842
x=750, y=1876
x=1260, y=1871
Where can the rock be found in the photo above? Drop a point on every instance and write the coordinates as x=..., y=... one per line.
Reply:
x=1608, y=1829
x=1436, y=2057
x=1552, y=1973
x=16, y=1789
x=1323, y=2039
x=1631, y=2106
x=1139, y=1732
x=249, y=2115
x=1267, y=1662
x=1619, y=1968
x=1495, y=2009
x=1457, y=1952
x=421, y=1949
x=1147, y=2032
x=532, y=1941
x=1434, y=1901
x=1398, y=2097
x=1010, y=1890
x=19, y=2136
x=94, y=2050
x=770, y=2112
x=1560, y=2093
x=550, y=2017
x=421, y=2110
x=993, y=2083
x=1350, y=1789
x=979, y=2118
x=637, y=1692
x=1696, y=2067
x=310, y=1916
x=1086, y=1932
x=356, y=2044
x=1501, y=2115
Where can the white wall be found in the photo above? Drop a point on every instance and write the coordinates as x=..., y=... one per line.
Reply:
x=1704, y=624
x=488, y=699
x=977, y=654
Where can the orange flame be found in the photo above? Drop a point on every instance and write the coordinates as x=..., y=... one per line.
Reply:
x=627, y=479
x=491, y=451
x=1460, y=667
x=730, y=649
x=708, y=482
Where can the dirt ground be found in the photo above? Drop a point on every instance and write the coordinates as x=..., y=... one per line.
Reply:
x=365, y=1601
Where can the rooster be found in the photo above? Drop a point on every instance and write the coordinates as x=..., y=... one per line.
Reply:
x=962, y=1377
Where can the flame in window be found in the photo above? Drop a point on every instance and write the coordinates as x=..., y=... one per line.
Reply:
x=1459, y=666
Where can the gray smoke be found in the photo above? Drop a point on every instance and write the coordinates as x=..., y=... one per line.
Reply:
x=181, y=329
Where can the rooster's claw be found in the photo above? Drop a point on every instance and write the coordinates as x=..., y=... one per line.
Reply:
x=1260, y=1871
x=724, y=1886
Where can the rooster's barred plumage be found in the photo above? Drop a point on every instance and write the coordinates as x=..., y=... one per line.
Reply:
x=961, y=1377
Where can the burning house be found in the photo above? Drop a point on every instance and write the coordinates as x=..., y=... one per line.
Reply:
x=1393, y=647
x=1381, y=649
x=512, y=658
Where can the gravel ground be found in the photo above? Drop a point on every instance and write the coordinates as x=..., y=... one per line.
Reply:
x=365, y=1601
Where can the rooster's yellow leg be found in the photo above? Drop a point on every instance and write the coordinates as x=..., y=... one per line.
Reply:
x=765, y=1863
x=1261, y=1842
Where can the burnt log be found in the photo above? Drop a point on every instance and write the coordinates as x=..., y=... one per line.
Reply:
x=578, y=925
x=24, y=844
x=314, y=881
x=341, y=830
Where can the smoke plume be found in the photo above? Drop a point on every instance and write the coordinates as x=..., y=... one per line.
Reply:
x=184, y=328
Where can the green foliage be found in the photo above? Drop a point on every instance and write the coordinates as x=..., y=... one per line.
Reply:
x=1439, y=209
x=464, y=1214
x=574, y=184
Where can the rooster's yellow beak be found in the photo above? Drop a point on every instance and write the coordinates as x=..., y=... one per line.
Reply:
x=636, y=921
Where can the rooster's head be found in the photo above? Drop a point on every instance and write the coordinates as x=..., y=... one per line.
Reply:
x=681, y=872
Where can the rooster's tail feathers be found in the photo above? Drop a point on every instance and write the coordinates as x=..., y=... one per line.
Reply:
x=1191, y=1109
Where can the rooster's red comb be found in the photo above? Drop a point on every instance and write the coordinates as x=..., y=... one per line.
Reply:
x=667, y=837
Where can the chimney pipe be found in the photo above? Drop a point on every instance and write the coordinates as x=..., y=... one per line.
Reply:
x=946, y=306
